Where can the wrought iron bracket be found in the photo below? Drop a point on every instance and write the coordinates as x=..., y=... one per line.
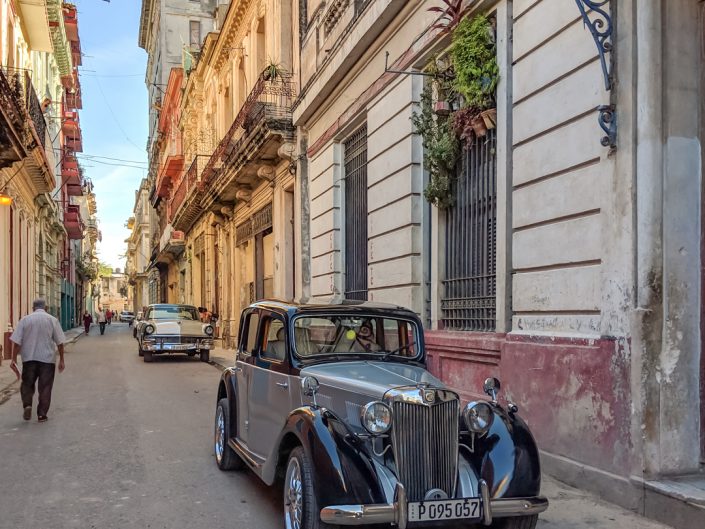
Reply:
x=607, y=119
x=601, y=28
x=407, y=72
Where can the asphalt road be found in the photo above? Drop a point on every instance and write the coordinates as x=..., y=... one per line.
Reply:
x=127, y=444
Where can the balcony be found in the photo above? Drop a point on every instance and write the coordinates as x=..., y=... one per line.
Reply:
x=73, y=222
x=74, y=141
x=69, y=123
x=168, y=173
x=71, y=22
x=262, y=126
x=23, y=130
x=171, y=244
x=184, y=208
x=73, y=99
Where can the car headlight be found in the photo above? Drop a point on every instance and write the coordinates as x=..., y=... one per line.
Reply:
x=376, y=417
x=478, y=417
x=208, y=329
x=149, y=328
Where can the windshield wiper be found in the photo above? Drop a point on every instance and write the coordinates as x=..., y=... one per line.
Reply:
x=408, y=346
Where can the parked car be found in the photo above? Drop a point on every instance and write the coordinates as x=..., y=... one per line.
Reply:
x=136, y=323
x=127, y=316
x=337, y=400
x=167, y=328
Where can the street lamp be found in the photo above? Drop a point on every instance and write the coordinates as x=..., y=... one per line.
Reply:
x=5, y=200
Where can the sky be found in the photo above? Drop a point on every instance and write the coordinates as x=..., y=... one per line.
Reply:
x=114, y=118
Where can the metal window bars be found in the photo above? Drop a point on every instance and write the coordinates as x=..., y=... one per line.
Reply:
x=356, y=214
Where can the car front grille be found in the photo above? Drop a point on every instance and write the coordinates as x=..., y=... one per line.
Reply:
x=177, y=339
x=425, y=443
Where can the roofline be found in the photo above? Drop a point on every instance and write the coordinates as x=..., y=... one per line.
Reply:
x=144, y=23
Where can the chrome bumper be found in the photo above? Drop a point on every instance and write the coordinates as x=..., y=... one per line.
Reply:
x=179, y=347
x=396, y=513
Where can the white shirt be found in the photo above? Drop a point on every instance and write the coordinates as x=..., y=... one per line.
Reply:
x=37, y=334
x=100, y=316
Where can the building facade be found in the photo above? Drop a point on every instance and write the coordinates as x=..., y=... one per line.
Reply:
x=567, y=260
x=40, y=230
x=139, y=249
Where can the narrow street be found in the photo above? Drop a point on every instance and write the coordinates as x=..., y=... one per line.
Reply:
x=127, y=444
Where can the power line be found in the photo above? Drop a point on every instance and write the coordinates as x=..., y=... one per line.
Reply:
x=91, y=156
x=100, y=88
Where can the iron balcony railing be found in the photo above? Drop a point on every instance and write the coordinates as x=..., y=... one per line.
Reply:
x=270, y=103
x=18, y=96
x=188, y=183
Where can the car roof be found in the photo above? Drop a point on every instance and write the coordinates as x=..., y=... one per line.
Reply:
x=346, y=306
x=158, y=305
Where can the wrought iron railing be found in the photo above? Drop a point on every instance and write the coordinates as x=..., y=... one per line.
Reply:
x=271, y=99
x=17, y=94
x=189, y=182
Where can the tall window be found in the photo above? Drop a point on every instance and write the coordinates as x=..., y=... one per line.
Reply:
x=356, y=214
x=195, y=33
x=468, y=301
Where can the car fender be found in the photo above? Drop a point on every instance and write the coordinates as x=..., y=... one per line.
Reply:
x=227, y=388
x=508, y=458
x=344, y=473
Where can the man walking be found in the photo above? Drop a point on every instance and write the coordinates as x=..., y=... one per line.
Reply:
x=87, y=320
x=101, y=319
x=35, y=339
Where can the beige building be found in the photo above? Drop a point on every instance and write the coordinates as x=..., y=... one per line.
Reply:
x=114, y=292
x=568, y=262
x=139, y=249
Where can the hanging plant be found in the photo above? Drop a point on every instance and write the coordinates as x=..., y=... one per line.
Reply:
x=441, y=149
x=474, y=56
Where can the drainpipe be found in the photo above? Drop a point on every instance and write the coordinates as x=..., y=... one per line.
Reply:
x=305, y=217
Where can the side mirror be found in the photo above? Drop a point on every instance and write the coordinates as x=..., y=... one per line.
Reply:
x=309, y=387
x=491, y=387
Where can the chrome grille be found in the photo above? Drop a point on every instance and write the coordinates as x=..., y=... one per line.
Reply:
x=425, y=443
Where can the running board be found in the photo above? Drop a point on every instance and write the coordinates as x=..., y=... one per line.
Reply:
x=251, y=459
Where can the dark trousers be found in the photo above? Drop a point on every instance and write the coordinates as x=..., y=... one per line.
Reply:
x=31, y=371
x=87, y=326
x=102, y=327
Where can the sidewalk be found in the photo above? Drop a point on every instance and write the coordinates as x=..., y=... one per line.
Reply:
x=8, y=381
x=569, y=507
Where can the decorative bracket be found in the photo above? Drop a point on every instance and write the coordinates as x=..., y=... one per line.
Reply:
x=601, y=28
x=608, y=122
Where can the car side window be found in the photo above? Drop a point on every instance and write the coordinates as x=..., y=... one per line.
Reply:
x=273, y=339
x=250, y=332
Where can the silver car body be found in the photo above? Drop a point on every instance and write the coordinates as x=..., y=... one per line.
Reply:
x=173, y=335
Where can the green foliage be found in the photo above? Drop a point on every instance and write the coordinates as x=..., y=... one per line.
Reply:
x=441, y=150
x=104, y=270
x=474, y=56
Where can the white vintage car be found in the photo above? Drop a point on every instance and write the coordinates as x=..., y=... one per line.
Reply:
x=167, y=328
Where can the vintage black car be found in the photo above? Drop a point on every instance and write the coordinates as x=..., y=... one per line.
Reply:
x=336, y=401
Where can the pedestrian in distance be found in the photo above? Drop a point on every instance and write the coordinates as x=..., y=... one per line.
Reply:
x=109, y=315
x=37, y=338
x=101, y=319
x=87, y=320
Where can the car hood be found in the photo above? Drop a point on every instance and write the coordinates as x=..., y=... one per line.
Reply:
x=185, y=327
x=369, y=377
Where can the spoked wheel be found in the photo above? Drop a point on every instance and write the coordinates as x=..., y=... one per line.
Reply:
x=300, y=507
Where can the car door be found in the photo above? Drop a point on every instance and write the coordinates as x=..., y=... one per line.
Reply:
x=270, y=390
x=246, y=353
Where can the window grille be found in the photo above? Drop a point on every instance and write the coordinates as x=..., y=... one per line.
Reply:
x=356, y=214
x=469, y=294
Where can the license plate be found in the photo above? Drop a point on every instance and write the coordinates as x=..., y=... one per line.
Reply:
x=428, y=511
x=177, y=346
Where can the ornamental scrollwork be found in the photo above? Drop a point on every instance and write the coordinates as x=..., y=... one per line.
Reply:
x=600, y=25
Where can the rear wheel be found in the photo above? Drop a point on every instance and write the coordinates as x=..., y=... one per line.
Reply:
x=225, y=457
x=519, y=522
x=205, y=356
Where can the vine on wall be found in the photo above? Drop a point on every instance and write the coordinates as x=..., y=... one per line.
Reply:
x=458, y=106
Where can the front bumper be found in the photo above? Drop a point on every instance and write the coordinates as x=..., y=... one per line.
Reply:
x=156, y=345
x=396, y=513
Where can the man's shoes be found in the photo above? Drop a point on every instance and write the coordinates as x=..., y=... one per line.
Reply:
x=27, y=413
x=42, y=418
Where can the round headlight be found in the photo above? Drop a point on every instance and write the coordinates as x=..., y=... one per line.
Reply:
x=208, y=329
x=376, y=417
x=478, y=417
x=149, y=328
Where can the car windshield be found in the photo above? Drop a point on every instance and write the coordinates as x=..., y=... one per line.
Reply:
x=172, y=313
x=338, y=334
